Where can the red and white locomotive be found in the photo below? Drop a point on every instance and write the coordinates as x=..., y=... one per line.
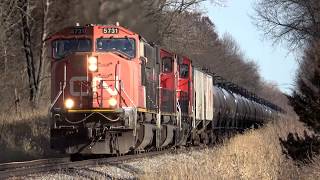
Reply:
x=112, y=93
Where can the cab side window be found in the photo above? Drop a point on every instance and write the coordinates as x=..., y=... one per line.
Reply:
x=167, y=65
x=183, y=71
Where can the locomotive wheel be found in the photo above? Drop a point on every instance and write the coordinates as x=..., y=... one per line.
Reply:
x=196, y=140
x=204, y=138
x=220, y=136
x=213, y=137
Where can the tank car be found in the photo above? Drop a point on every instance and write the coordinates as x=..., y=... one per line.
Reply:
x=112, y=92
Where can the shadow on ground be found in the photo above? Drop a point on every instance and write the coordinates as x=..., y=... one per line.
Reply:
x=301, y=149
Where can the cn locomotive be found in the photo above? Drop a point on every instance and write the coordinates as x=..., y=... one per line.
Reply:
x=114, y=93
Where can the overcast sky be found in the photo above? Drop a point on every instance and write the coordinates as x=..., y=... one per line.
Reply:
x=276, y=64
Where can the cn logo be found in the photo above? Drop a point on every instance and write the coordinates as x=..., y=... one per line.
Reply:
x=76, y=81
x=97, y=80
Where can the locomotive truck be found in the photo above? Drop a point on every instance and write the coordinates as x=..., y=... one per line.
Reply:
x=114, y=93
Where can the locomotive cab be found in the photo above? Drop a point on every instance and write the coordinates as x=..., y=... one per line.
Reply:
x=96, y=64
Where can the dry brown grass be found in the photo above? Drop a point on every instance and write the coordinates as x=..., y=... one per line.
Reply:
x=24, y=135
x=256, y=154
x=311, y=171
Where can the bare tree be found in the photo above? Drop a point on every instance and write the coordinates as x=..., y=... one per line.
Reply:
x=306, y=97
x=42, y=57
x=295, y=21
x=7, y=26
x=24, y=27
x=166, y=13
x=25, y=31
x=271, y=92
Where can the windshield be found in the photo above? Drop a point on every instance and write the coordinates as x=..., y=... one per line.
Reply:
x=125, y=46
x=63, y=47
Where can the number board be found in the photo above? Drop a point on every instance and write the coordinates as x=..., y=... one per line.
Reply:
x=79, y=31
x=110, y=30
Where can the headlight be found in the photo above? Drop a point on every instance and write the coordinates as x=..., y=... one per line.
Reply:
x=69, y=103
x=113, y=102
x=93, y=64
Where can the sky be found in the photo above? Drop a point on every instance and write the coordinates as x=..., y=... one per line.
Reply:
x=276, y=63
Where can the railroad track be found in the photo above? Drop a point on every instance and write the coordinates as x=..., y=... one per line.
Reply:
x=18, y=169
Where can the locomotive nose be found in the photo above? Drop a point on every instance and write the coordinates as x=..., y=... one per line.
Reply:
x=106, y=82
x=92, y=81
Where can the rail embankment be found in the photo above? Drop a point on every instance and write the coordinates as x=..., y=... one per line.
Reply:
x=256, y=154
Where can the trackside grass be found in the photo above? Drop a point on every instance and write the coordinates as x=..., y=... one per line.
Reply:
x=24, y=136
x=256, y=154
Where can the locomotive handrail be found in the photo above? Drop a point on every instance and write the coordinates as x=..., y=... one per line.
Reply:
x=55, y=100
x=128, y=97
x=100, y=86
x=61, y=89
x=179, y=115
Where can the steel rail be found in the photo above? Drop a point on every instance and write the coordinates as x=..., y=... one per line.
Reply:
x=37, y=162
x=18, y=169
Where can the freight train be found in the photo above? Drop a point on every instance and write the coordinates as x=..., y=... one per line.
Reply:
x=114, y=93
